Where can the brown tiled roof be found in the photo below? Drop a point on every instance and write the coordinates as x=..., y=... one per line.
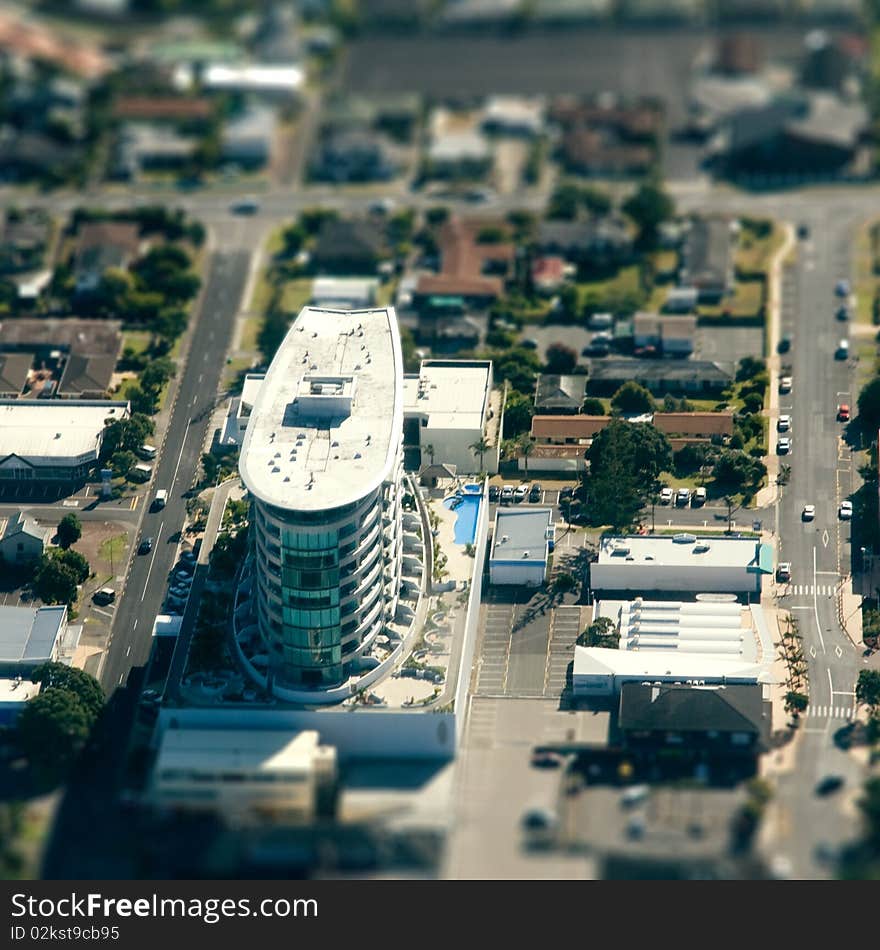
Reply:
x=568, y=427
x=452, y=284
x=683, y=326
x=703, y=424
x=462, y=255
x=161, y=107
x=118, y=234
x=591, y=148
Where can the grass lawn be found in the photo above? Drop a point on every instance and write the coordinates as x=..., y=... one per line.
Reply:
x=385, y=294
x=865, y=281
x=137, y=340
x=233, y=368
x=249, y=333
x=296, y=294
x=748, y=297
x=754, y=254
x=113, y=548
x=626, y=280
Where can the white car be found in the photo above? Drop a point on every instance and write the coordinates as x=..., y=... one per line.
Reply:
x=785, y=384
x=845, y=511
x=683, y=497
x=666, y=496
x=783, y=445
x=809, y=512
x=842, y=351
x=783, y=423
x=783, y=572
x=506, y=494
x=520, y=493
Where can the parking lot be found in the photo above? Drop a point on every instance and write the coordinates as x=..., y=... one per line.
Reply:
x=527, y=644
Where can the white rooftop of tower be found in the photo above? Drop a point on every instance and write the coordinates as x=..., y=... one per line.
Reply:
x=328, y=418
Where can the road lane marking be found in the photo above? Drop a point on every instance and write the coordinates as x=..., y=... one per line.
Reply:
x=128, y=651
x=839, y=653
x=830, y=684
x=152, y=561
x=180, y=455
x=816, y=605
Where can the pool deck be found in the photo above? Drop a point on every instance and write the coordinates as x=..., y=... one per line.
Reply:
x=458, y=564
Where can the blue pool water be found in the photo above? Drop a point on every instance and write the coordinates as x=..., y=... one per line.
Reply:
x=467, y=507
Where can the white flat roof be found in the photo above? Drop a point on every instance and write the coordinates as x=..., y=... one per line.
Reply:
x=245, y=750
x=715, y=551
x=256, y=76
x=328, y=418
x=18, y=690
x=600, y=661
x=343, y=288
x=46, y=430
x=453, y=394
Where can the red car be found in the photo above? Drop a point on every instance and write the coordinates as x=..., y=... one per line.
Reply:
x=843, y=412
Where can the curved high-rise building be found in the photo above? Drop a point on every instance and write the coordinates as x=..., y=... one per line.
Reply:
x=323, y=461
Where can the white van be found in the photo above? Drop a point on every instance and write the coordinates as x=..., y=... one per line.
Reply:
x=141, y=473
x=160, y=499
x=601, y=321
x=147, y=451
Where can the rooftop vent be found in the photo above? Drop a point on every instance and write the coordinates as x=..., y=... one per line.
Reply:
x=525, y=554
x=684, y=538
x=505, y=537
x=357, y=455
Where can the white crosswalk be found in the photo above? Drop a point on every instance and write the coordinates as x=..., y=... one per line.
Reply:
x=830, y=712
x=802, y=590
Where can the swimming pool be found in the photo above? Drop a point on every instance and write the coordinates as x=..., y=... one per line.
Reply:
x=467, y=507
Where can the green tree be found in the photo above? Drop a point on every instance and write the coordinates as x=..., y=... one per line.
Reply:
x=868, y=689
x=738, y=472
x=480, y=448
x=564, y=203
x=273, y=330
x=625, y=462
x=54, y=581
x=436, y=216
x=593, y=407
x=85, y=687
x=293, y=237
x=869, y=405
x=752, y=403
x=796, y=702
x=748, y=367
x=569, y=302
x=601, y=633
x=141, y=402
x=126, y=434
x=561, y=359
x=156, y=374
x=69, y=530
x=526, y=448
x=519, y=366
x=517, y=414
x=632, y=398
x=52, y=730
x=75, y=561
x=122, y=462
x=649, y=207
x=595, y=200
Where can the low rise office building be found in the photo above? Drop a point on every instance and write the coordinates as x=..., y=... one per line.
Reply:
x=522, y=540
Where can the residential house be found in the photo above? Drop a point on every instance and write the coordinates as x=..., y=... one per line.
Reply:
x=145, y=147
x=87, y=377
x=707, y=259
x=669, y=335
x=550, y=272
x=353, y=155
x=678, y=377
x=26, y=155
x=22, y=539
x=560, y=442
x=595, y=153
x=597, y=242
x=683, y=428
x=514, y=116
x=559, y=395
x=349, y=246
x=470, y=269
x=247, y=139
x=697, y=721
x=814, y=136
x=14, y=369
x=100, y=246
x=458, y=148
x=24, y=237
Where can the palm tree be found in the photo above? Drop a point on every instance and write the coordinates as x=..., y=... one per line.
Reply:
x=480, y=447
x=526, y=447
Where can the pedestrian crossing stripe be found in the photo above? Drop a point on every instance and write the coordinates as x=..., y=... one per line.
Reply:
x=830, y=712
x=821, y=590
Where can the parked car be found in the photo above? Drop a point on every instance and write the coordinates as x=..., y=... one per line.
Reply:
x=245, y=206
x=506, y=494
x=530, y=343
x=600, y=348
x=842, y=351
x=547, y=760
x=783, y=445
x=842, y=313
x=783, y=572
x=699, y=497
x=682, y=497
x=666, y=496
x=803, y=232
x=634, y=795
x=494, y=493
x=843, y=412
x=808, y=513
x=567, y=492
x=785, y=384
x=829, y=784
x=535, y=492
x=785, y=343
x=783, y=423
x=845, y=511
x=539, y=819
x=841, y=288
x=520, y=493
x=106, y=595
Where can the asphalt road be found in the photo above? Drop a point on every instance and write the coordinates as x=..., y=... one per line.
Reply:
x=225, y=279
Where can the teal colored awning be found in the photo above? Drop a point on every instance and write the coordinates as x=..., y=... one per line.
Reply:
x=764, y=558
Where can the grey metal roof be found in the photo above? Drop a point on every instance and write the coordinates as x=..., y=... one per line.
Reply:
x=28, y=634
x=521, y=534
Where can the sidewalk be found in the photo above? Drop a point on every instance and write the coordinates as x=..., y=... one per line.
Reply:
x=768, y=494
